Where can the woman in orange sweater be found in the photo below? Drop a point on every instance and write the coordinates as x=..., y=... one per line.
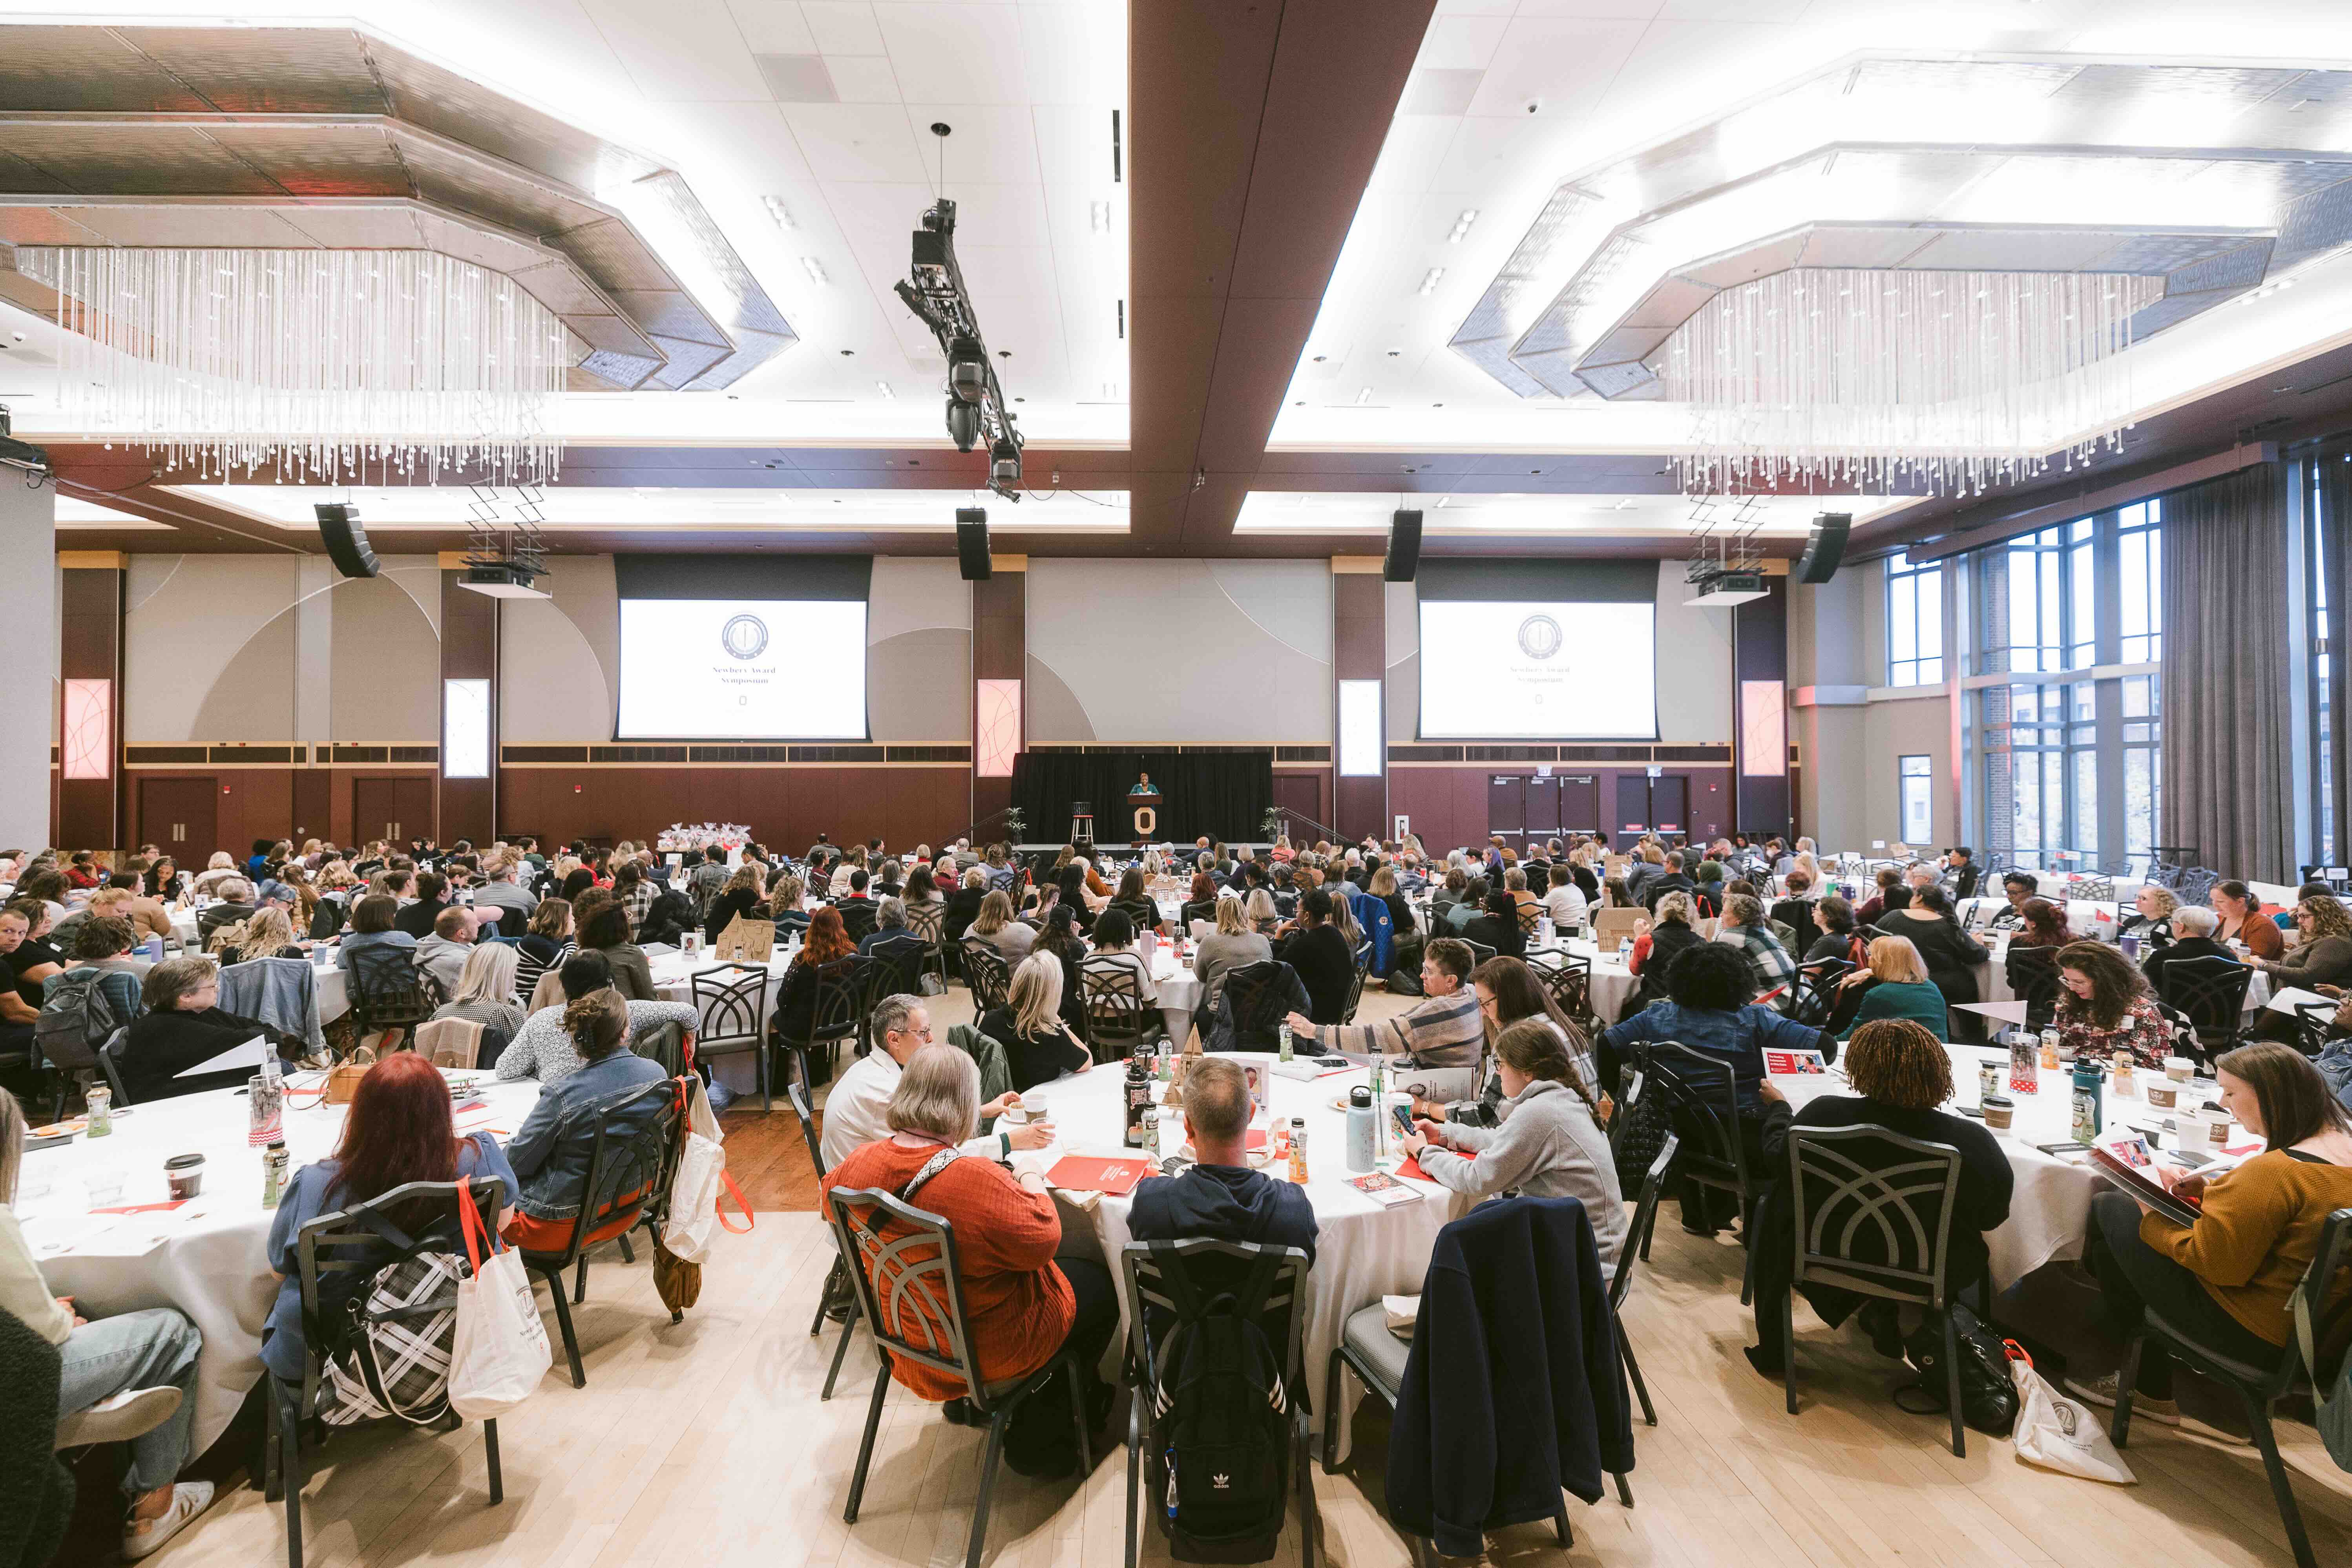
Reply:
x=1022, y=1305
x=2226, y=1281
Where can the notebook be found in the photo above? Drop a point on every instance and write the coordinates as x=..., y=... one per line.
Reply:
x=1114, y=1174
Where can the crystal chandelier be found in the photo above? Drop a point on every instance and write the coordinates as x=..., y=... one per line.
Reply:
x=1880, y=378
x=321, y=362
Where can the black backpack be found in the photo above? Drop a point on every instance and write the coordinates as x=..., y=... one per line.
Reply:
x=76, y=1005
x=1217, y=1462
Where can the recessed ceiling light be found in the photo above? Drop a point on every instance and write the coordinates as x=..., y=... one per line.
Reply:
x=1363, y=397
x=1099, y=217
x=883, y=388
x=1429, y=281
x=815, y=270
x=1462, y=224
x=778, y=211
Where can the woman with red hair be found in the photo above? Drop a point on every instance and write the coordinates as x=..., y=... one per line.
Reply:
x=397, y=1130
x=827, y=940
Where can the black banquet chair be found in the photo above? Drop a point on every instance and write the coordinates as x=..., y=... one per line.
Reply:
x=1253, y=1001
x=1893, y=1194
x=918, y=1270
x=1116, y=1013
x=837, y=1280
x=1701, y=1098
x=986, y=973
x=2034, y=980
x=837, y=1013
x=1171, y=1280
x=2211, y=994
x=732, y=1002
x=338, y=1254
x=1621, y=1285
x=2259, y=1390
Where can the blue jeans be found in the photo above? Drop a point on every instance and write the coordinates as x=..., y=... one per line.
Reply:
x=153, y=1349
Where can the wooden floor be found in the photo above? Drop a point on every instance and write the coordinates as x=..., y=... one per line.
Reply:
x=705, y=1443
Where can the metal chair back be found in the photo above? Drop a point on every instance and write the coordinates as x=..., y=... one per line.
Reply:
x=1568, y=978
x=1479, y=950
x=898, y=966
x=927, y=920
x=908, y=1280
x=2313, y=1020
x=1645, y=1212
x=633, y=1152
x=2211, y=992
x=1356, y=973
x=1115, y=1007
x=58, y=1039
x=1873, y=1211
x=386, y=990
x=798, y=1094
x=663, y=1045
x=2195, y=884
x=986, y=973
x=732, y=1000
x=2034, y=980
x=837, y=1012
x=1702, y=1096
x=1254, y=999
x=1813, y=996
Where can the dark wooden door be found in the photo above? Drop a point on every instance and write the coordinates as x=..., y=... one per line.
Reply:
x=1670, y=803
x=1580, y=805
x=181, y=817
x=1507, y=804
x=1633, y=818
x=1301, y=793
x=395, y=809
x=1543, y=808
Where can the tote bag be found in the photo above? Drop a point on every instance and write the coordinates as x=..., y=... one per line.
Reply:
x=500, y=1351
x=695, y=1191
x=2058, y=1433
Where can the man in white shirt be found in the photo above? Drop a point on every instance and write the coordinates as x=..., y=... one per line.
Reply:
x=856, y=1111
x=500, y=893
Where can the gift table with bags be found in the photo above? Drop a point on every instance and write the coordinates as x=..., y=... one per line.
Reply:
x=100, y=1219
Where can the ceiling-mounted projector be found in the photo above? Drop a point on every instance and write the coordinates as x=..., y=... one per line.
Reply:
x=503, y=580
x=1721, y=589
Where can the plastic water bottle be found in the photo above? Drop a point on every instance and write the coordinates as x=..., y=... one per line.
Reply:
x=1282, y=1034
x=1363, y=1122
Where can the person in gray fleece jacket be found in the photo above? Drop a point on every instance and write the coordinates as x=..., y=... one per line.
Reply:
x=1548, y=1145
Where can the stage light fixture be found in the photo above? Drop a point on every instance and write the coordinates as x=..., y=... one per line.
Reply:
x=963, y=423
x=976, y=405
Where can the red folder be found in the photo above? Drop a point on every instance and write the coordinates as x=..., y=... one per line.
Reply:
x=1116, y=1174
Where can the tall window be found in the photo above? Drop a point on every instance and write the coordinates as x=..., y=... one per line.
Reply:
x=1914, y=627
x=1917, y=814
x=2066, y=767
x=2323, y=536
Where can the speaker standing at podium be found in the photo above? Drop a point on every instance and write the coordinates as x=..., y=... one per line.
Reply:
x=1145, y=800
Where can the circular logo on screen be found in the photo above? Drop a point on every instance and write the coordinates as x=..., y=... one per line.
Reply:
x=1540, y=637
x=745, y=636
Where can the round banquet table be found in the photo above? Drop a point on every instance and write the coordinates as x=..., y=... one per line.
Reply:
x=674, y=972
x=209, y=1258
x=1363, y=1250
x=1993, y=976
x=2049, y=1211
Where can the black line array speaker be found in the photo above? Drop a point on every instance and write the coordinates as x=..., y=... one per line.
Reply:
x=1404, y=548
x=1824, y=547
x=347, y=542
x=972, y=542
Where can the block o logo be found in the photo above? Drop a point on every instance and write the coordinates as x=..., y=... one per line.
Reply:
x=1540, y=637
x=745, y=636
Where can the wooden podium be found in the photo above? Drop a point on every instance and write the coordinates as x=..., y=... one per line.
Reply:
x=1146, y=809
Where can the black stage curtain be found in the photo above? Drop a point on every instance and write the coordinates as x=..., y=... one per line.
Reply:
x=1222, y=793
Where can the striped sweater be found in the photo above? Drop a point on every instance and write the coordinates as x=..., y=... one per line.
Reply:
x=1443, y=1032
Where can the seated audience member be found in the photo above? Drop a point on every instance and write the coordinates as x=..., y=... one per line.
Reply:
x=1711, y=1008
x=1508, y=993
x=1325, y=964
x=1023, y=1305
x=116, y=1354
x=1746, y=928
x=1141, y=910
x=1450, y=892
x=441, y=957
x=2226, y=1282
x=121, y=896
x=1039, y=1044
x=857, y=906
x=2324, y=957
x=1498, y=928
x=2018, y=888
x=1471, y=906
x=709, y=878
x=502, y=893
x=1220, y=1196
x=1892, y=893
x=787, y=905
x=163, y=879
x=543, y=947
x=1058, y=939
x=744, y=895
x=486, y=992
x=2243, y=920
x=81, y=871
x=20, y=1003
x=433, y=895
x=1565, y=901
x=1441, y=1039
x=1895, y=986
x=2193, y=926
x=35, y=957
x=102, y=944
x=2104, y=1006
x=1658, y=942
x=1548, y=1144
x=890, y=940
x=237, y=903
x=397, y=1131
x=1115, y=939
x=1670, y=878
x=825, y=944
x=994, y=925
x=545, y=1045
x=1800, y=913
x=218, y=868
x=550, y=1151
x=607, y=931
x=183, y=1027
x=963, y=904
x=268, y=934
x=1901, y=1075
x=633, y=891
x=1233, y=944
x=923, y=895
x=1708, y=890
x=2151, y=917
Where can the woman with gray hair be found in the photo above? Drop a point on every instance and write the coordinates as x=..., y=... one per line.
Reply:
x=2194, y=929
x=183, y=1027
x=1023, y=1305
x=141, y=1355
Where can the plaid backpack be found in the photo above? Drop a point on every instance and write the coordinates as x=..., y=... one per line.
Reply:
x=396, y=1338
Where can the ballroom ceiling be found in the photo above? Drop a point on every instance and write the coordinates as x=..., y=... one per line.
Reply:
x=1259, y=271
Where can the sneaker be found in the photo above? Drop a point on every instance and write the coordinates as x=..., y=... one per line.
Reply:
x=189, y=1499
x=2101, y=1391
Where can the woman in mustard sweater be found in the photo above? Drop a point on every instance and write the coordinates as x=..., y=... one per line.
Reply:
x=2226, y=1281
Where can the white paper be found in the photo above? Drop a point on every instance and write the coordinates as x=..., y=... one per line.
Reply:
x=248, y=1054
x=2006, y=1012
x=2293, y=996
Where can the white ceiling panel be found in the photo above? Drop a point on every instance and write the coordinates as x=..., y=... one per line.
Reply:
x=956, y=54
x=679, y=50
x=844, y=27
x=1414, y=152
x=986, y=145
x=1557, y=64
x=858, y=142
x=863, y=79
x=774, y=27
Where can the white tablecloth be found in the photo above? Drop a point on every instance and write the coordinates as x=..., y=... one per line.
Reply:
x=674, y=978
x=2050, y=1212
x=1363, y=1251
x=209, y=1259
x=1612, y=983
x=1993, y=976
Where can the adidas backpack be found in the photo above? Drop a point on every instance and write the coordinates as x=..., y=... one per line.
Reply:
x=1217, y=1459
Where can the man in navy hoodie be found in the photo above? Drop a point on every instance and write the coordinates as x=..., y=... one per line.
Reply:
x=1220, y=1197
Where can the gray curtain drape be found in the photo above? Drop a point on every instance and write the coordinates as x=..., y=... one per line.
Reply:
x=2228, y=740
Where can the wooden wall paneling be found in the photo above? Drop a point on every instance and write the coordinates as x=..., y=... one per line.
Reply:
x=314, y=805
x=93, y=812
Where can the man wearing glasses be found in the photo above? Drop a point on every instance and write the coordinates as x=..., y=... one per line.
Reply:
x=857, y=1111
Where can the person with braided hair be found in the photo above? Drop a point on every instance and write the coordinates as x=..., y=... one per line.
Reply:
x=1549, y=1143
